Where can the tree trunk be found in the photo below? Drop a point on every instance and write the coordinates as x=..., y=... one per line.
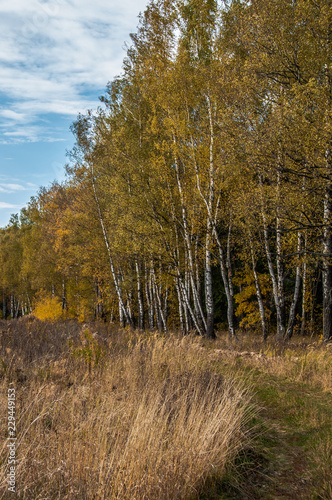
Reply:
x=200, y=319
x=181, y=306
x=327, y=264
x=121, y=316
x=17, y=309
x=149, y=298
x=212, y=221
x=279, y=257
x=139, y=298
x=189, y=308
x=275, y=287
x=230, y=303
x=130, y=308
x=110, y=257
x=208, y=290
x=291, y=319
x=99, y=301
x=158, y=304
x=304, y=288
x=258, y=292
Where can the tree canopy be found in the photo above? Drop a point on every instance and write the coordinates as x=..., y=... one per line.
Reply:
x=198, y=196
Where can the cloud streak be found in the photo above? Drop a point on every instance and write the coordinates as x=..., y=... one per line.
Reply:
x=4, y=206
x=11, y=188
x=56, y=57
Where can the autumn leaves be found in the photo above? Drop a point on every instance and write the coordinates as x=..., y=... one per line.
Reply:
x=207, y=172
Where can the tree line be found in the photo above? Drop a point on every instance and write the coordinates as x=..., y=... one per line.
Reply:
x=198, y=196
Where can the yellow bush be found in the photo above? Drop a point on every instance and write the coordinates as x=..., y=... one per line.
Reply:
x=48, y=308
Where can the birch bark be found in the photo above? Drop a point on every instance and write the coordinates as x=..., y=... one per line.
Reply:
x=122, y=308
x=291, y=320
x=275, y=287
x=200, y=319
x=258, y=291
x=139, y=297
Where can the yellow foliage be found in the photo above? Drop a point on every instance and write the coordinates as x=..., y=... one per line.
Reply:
x=83, y=310
x=246, y=300
x=48, y=308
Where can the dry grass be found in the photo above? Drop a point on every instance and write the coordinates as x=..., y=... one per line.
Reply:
x=312, y=365
x=303, y=360
x=293, y=384
x=116, y=415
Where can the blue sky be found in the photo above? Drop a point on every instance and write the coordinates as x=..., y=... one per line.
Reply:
x=56, y=58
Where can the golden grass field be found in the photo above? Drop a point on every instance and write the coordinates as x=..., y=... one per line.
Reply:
x=104, y=413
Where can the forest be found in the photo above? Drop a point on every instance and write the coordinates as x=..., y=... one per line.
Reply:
x=166, y=311
x=198, y=195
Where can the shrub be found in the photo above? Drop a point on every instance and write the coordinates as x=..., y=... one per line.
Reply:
x=48, y=308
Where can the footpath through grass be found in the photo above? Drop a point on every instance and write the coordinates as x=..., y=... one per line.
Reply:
x=291, y=453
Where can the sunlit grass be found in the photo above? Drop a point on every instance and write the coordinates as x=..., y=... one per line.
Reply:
x=149, y=419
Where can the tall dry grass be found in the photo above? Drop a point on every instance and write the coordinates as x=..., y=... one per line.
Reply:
x=311, y=365
x=302, y=360
x=149, y=420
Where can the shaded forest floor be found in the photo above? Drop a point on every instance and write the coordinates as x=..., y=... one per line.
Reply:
x=108, y=413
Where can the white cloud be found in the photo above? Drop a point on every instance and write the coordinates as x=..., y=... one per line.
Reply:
x=15, y=187
x=54, y=55
x=6, y=178
x=10, y=187
x=4, y=205
x=13, y=115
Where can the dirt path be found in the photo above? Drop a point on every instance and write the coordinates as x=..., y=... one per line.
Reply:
x=294, y=445
x=291, y=455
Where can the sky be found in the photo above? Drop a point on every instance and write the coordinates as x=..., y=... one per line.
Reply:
x=56, y=57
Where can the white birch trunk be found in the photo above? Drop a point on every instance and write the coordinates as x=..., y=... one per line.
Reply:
x=208, y=290
x=180, y=304
x=279, y=259
x=304, y=288
x=187, y=302
x=197, y=304
x=296, y=295
x=209, y=303
x=160, y=313
x=139, y=297
x=130, y=308
x=149, y=298
x=17, y=308
x=223, y=269
x=110, y=257
x=258, y=292
x=280, y=319
x=212, y=220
